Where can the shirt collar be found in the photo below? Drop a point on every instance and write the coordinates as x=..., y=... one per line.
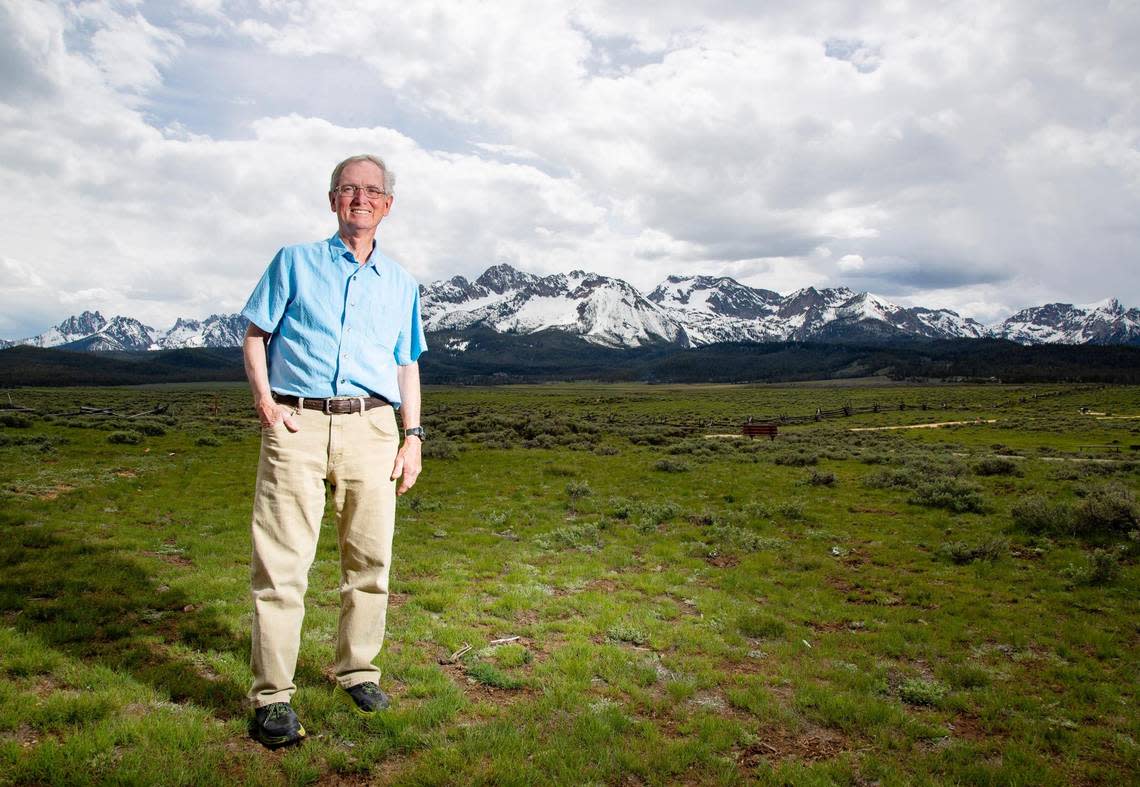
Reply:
x=338, y=249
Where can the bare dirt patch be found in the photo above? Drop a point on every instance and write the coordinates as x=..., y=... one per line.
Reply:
x=723, y=561
x=385, y=772
x=45, y=687
x=756, y=663
x=54, y=492
x=778, y=745
x=854, y=593
x=867, y=510
x=24, y=735
x=478, y=692
x=685, y=605
x=526, y=617
x=968, y=728
x=172, y=559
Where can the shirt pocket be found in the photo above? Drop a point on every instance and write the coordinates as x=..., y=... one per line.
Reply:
x=382, y=322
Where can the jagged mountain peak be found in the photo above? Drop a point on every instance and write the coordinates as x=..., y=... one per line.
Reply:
x=801, y=301
x=1108, y=306
x=817, y=295
x=502, y=277
x=86, y=323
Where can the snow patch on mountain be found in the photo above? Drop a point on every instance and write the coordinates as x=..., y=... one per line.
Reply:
x=217, y=330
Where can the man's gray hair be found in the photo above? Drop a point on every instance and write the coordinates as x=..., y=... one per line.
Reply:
x=389, y=176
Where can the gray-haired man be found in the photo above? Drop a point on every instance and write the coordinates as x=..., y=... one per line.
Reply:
x=331, y=350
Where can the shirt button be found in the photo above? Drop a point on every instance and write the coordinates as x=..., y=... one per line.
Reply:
x=342, y=381
x=344, y=355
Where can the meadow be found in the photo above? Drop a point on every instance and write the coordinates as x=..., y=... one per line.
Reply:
x=597, y=584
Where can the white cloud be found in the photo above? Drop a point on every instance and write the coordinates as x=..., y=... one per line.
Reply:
x=126, y=47
x=968, y=155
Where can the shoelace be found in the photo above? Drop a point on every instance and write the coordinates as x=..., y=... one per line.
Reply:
x=276, y=711
x=370, y=689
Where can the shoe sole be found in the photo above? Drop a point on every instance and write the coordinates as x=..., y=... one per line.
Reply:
x=346, y=698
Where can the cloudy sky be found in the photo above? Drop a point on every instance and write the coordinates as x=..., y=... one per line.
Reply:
x=978, y=156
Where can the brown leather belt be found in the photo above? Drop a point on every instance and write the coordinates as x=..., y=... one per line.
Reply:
x=341, y=405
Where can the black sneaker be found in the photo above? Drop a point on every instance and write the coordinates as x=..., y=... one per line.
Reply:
x=367, y=698
x=276, y=725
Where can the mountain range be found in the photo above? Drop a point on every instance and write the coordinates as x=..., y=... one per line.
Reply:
x=92, y=332
x=684, y=311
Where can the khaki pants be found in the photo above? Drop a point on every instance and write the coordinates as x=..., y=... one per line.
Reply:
x=354, y=453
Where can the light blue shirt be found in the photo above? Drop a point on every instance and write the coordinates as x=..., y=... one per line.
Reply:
x=336, y=328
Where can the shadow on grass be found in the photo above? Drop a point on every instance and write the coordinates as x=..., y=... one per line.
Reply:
x=95, y=604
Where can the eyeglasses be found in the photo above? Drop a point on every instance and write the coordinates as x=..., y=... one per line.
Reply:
x=350, y=189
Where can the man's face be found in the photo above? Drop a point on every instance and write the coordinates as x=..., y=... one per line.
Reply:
x=360, y=212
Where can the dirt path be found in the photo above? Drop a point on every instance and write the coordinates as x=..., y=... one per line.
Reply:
x=923, y=426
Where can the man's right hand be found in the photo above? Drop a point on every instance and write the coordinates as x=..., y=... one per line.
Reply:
x=270, y=413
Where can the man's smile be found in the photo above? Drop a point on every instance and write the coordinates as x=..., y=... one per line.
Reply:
x=359, y=200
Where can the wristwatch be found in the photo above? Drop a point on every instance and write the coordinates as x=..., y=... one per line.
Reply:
x=416, y=431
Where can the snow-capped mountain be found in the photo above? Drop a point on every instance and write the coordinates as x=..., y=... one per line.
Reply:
x=682, y=310
x=119, y=333
x=876, y=314
x=687, y=310
x=217, y=330
x=1106, y=322
x=602, y=310
x=722, y=309
x=91, y=331
x=70, y=330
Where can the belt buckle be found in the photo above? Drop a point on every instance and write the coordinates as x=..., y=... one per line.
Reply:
x=327, y=406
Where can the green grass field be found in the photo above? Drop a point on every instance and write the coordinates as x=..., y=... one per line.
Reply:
x=953, y=605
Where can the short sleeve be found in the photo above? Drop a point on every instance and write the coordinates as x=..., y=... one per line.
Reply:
x=411, y=341
x=267, y=302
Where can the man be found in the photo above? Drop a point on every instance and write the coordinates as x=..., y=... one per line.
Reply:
x=331, y=349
